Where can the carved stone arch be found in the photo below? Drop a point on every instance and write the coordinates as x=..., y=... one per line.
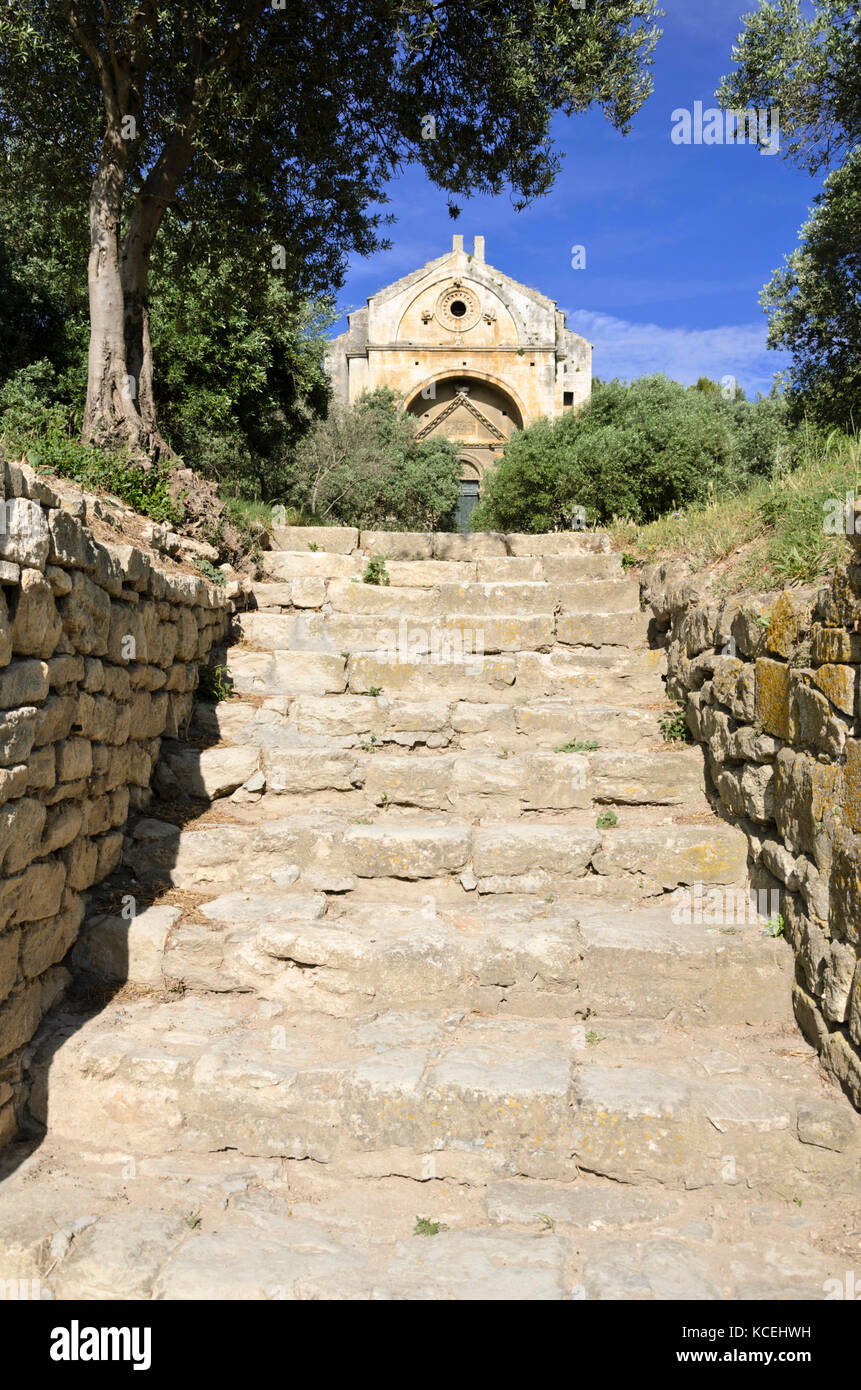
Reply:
x=428, y=389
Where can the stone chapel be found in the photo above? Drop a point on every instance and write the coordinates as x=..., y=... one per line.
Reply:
x=474, y=354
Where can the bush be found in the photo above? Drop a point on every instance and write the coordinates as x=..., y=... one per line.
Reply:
x=363, y=466
x=55, y=450
x=638, y=450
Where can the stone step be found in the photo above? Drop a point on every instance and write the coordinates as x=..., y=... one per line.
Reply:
x=457, y=637
x=575, y=960
x=613, y=675
x=312, y=569
x=475, y=784
x=325, y=851
x=353, y=720
x=540, y=1098
x=439, y=545
x=487, y=599
x=297, y=1231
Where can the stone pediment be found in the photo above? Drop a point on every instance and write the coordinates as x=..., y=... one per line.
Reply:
x=462, y=409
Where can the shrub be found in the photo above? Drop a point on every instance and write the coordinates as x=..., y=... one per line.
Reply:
x=55, y=450
x=639, y=450
x=363, y=466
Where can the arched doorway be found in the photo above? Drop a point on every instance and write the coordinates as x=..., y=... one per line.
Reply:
x=472, y=411
x=470, y=493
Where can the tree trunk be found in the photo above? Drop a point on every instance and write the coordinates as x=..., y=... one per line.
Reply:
x=111, y=417
x=158, y=191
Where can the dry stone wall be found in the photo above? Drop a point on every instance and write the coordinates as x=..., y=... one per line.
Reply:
x=99, y=648
x=771, y=687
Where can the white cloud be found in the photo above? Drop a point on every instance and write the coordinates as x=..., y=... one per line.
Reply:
x=628, y=350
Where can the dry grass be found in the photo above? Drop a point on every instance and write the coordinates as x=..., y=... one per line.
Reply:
x=768, y=537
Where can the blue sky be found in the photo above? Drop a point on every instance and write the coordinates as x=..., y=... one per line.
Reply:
x=679, y=239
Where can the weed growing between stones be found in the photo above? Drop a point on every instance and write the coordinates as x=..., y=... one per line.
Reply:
x=375, y=571
x=425, y=1227
x=213, y=683
x=673, y=724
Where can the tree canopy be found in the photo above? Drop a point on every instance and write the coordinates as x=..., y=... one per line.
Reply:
x=270, y=131
x=805, y=60
x=814, y=304
x=638, y=449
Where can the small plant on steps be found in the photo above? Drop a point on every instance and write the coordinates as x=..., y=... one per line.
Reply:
x=375, y=571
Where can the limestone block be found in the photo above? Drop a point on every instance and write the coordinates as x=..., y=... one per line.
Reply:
x=86, y=615
x=207, y=773
x=338, y=540
x=824, y=1124
x=773, y=698
x=411, y=852
x=284, y=566
x=852, y=781
x=21, y=826
x=74, y=759
x=19, y=1017
x=522, y=849
x=34, y=894
x=816, y=725
x=845, y=888
x=63, y=823
x=47, y=942
x=807, y=793
x=9, y=942
x=398, y=545
x=122, y=950
x=835, y=645
x=789, y=621
x=757, y=785
x=65, y=670
x=839, y=973
x=23, y=683
x=24, y=534
x=17, y=733
x=305, y=593
x=839, y=683
x=671, y=855
x=37, y=625
x=70, y=544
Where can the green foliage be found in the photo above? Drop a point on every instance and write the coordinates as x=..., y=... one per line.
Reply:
x=814, y=305
x=770, y=534
x=208, y=570
x=273, y=166
x=239, y=358
x=363, y=466
x=56, y=451
x=375, y=571
x=805, y=61
x=575, y=746
x=674, y=724
x=239, y=364
x=608, y=820
x=213, y=683
x=425, y=1227
x=775, y=926
x=638, y=449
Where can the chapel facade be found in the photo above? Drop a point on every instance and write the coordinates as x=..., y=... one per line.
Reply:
x=474, y=354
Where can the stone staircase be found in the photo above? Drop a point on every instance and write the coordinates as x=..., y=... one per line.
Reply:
x=408, y=955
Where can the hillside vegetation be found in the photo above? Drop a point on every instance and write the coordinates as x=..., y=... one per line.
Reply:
x=783, y=530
